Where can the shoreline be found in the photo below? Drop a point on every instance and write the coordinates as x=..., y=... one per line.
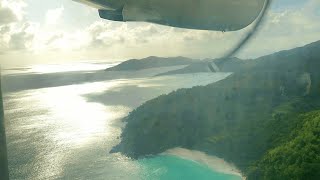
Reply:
x=215, y=163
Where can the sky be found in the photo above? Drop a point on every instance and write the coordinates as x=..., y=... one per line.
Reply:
x=64, y=31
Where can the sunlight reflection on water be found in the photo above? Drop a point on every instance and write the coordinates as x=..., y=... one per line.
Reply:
x=55, y=120
x=56, y=132
x=56, y=68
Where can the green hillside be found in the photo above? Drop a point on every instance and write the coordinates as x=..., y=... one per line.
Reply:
x=264, y=119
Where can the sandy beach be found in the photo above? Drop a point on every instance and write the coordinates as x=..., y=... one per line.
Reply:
x=215, y=163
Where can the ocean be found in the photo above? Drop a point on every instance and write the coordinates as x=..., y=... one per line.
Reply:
x=62, y=121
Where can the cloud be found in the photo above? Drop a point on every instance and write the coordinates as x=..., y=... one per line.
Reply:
x=64, y=38
x=55, y=37
x=22, y=39
x=53, y=15
x=6, y=16
x=16, y=33
x=285, y=30
x=4, y=29
x=11, y=10
x=104, y=34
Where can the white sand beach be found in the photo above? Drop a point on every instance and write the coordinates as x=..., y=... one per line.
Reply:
x=215, y=163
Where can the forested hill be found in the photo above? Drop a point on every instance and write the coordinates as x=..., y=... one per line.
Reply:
x=266, y=120
x=237, y=65
x=151, y=62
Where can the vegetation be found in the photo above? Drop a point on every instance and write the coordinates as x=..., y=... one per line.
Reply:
x=298, y=157
x=266, y=119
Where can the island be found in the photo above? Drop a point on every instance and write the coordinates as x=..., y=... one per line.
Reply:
x=265, y=118
x=151, y=62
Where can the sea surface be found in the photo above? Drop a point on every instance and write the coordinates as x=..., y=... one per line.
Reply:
x=62, y=121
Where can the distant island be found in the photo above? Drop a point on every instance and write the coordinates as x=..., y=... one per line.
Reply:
x=151, y=62
x=192, y=65
x=265, y=118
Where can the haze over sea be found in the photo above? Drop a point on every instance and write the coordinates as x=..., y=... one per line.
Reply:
x=62, y=121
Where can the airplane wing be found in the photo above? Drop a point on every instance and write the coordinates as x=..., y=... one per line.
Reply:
x=218, y=15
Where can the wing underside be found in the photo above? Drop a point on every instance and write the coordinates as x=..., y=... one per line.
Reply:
x=220, y=15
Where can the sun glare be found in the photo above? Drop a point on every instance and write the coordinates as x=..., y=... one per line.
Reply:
x=78, y=120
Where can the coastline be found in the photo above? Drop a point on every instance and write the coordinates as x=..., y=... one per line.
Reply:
x=215, y=163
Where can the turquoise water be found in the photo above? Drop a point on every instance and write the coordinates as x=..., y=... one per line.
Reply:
x=173, y=167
